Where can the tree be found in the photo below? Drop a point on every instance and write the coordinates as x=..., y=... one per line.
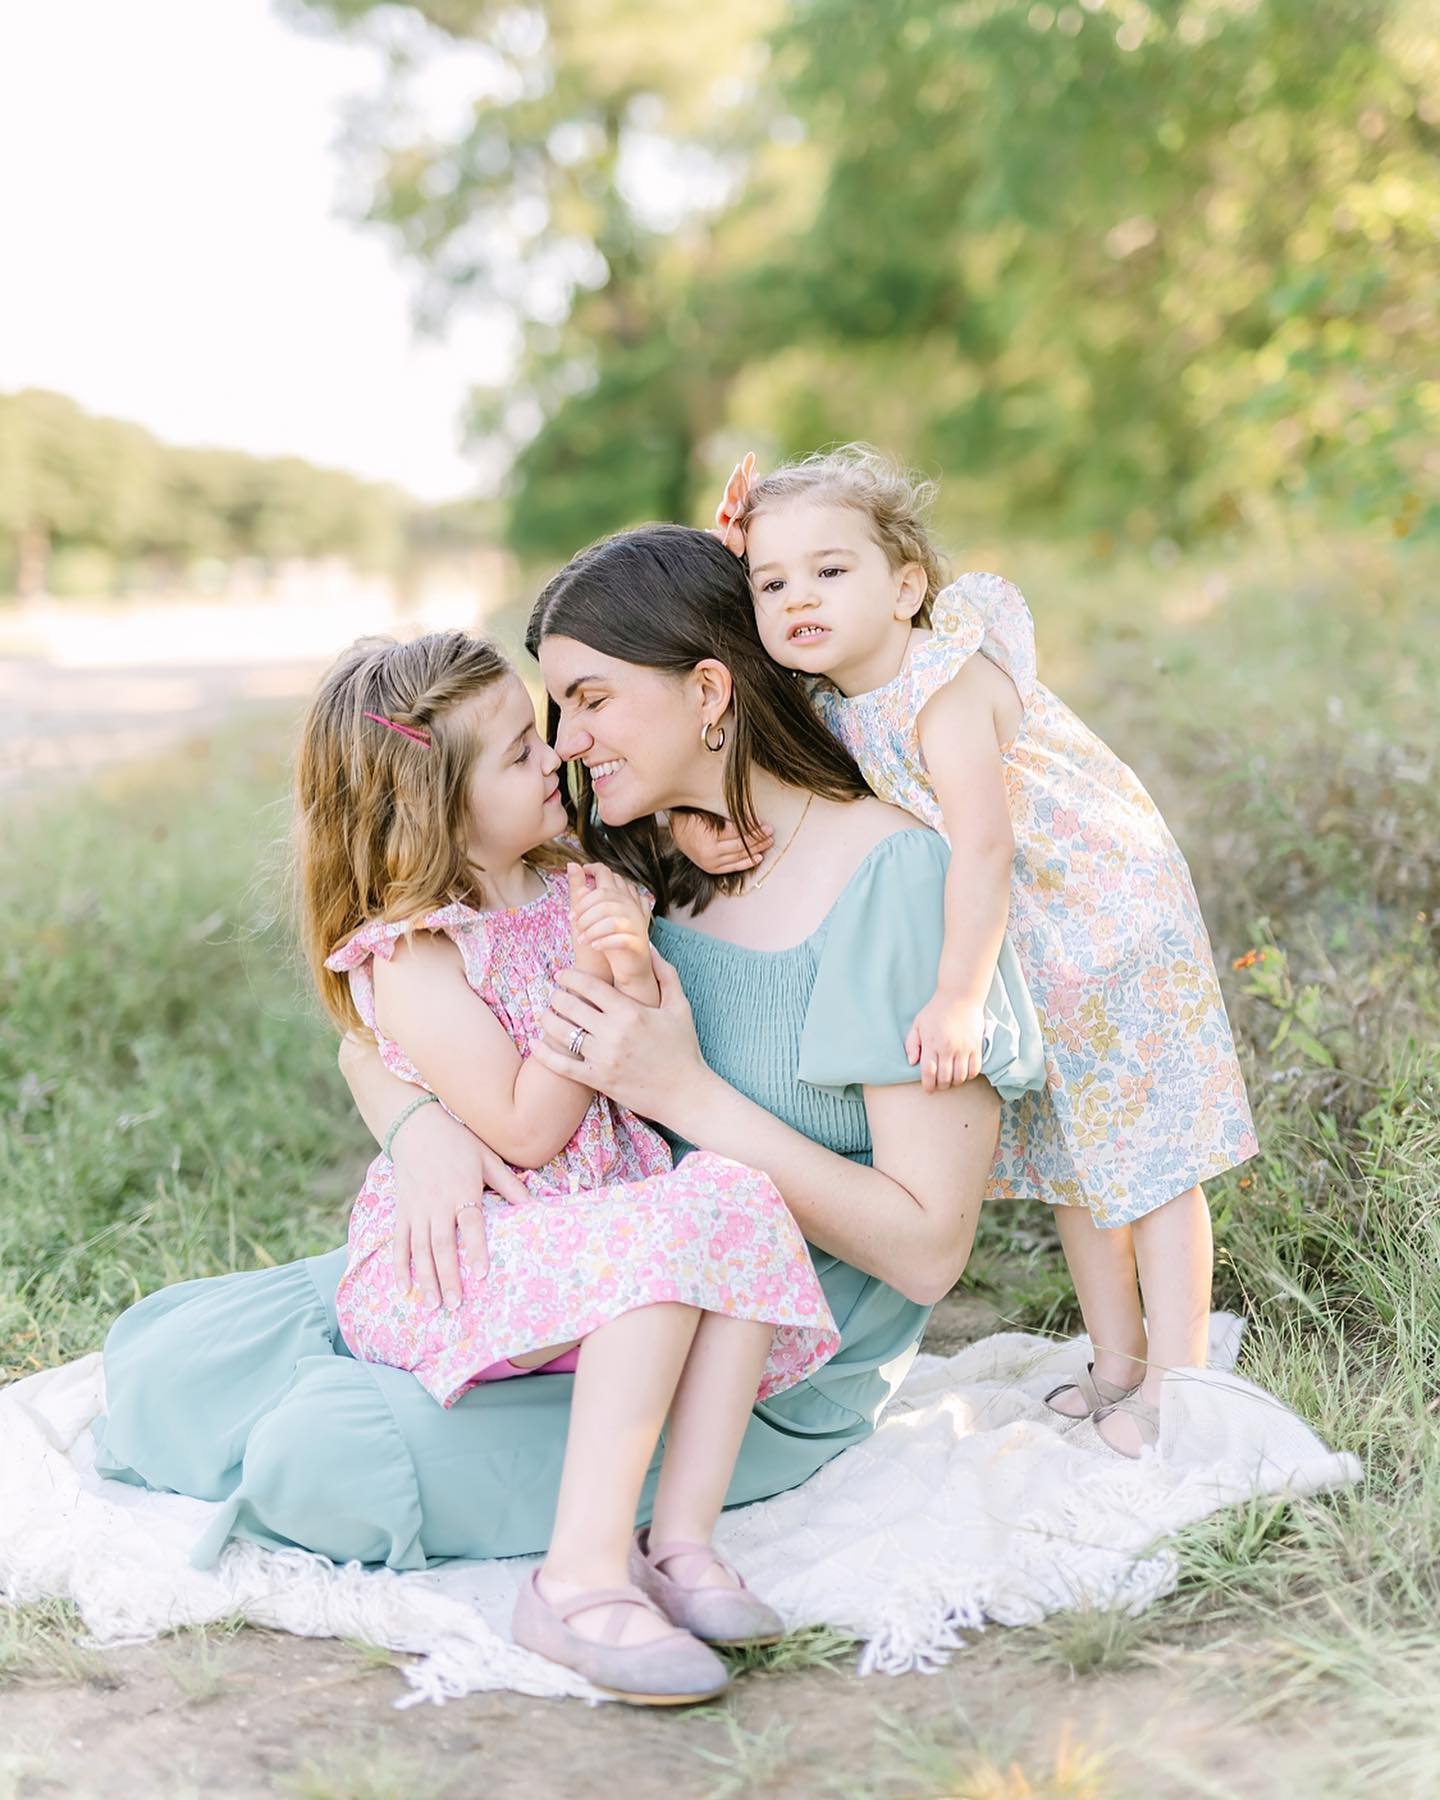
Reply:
x=1129, y=265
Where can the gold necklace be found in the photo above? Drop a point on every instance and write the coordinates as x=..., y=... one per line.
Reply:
x=758, y=881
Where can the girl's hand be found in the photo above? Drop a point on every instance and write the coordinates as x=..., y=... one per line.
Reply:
x=947, y=1039
x=612, y=919
x=737, y=490
x=440, y=1168
x=646, y=1058
x=715, y=845
x=587, y=956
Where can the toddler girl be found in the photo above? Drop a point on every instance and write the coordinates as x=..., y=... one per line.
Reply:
x=935, y=695
x=438, y=910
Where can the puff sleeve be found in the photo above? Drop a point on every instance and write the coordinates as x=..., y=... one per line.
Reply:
x=877, y=968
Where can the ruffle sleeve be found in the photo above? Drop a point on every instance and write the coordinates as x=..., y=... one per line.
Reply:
x=982, y=612
x=878, y=966
x=380, y=937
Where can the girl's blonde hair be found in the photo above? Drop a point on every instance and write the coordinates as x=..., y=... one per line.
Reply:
x=380, y=816
x=893, y=501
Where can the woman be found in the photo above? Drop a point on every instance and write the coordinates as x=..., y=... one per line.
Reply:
x=802, y=977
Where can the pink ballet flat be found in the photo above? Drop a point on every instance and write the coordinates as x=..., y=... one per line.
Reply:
x=674, y=1670
x=729, y=1616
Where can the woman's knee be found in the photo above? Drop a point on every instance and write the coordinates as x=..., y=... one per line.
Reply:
x=327, y=1470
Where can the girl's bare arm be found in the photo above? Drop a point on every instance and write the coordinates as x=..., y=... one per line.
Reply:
x=523, y=1110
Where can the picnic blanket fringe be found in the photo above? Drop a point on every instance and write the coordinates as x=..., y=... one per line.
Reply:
x=971, y=1505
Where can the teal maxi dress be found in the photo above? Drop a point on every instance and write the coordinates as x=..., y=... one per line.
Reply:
x=239, y=1388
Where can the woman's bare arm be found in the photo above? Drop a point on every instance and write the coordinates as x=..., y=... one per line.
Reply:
x=909, y=1219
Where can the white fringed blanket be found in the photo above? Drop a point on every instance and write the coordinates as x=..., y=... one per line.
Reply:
x=971, y=1504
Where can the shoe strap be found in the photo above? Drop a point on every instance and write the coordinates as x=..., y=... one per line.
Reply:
x=566, y=1610
x=656, y=1554
x=1094, y=1390
x=1145, y=1414
x=1112, y=1392
x=1083, y=1385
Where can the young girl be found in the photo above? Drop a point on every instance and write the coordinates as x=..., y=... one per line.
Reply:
x=438, y=910
x=1050, y=830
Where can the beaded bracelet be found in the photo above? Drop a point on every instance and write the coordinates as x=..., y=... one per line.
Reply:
x=401, y=1117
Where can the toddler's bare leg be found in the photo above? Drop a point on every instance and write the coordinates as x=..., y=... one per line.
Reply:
x=624, y=1385
x=707, y=1421
x=1102, y=1266
x=1176, y=1256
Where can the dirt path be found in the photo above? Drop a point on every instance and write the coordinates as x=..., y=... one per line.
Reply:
x=87, y=684
x=257, y=1715
x=60, y=724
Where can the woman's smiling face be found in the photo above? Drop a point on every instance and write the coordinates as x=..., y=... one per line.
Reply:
x=636, y=729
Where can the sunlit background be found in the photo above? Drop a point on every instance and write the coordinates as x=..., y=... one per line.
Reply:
x=335, y=317
x=347, y=312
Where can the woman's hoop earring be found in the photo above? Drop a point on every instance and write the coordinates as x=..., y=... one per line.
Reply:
x=705, y=731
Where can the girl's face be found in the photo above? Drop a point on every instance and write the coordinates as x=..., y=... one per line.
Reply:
x=826, y=598
x=636, y=729
x=513, y=802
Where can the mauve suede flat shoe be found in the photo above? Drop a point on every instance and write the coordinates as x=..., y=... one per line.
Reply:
x=674, y=1670
x=730, y=1616
x=1094, y=1390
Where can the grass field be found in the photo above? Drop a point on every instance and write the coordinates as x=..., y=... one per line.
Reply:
x=170, y=1106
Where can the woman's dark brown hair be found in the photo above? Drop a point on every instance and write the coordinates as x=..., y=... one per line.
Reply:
x=668, y=597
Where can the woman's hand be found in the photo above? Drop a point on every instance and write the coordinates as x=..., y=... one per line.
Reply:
x=645, y=1058
x=715, y=845
x=732, y=502
x=441, y=1171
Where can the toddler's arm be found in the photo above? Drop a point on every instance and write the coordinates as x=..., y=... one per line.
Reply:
x=462, y=1051
x=716, y=845
x=960, y=735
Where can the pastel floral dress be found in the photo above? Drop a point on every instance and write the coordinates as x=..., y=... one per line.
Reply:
x=1144, y=1095
x=611, y=1225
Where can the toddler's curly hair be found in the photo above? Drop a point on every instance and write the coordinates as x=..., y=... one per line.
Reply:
x=894, y=502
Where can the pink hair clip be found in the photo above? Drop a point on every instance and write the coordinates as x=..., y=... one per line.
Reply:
x=420, y=737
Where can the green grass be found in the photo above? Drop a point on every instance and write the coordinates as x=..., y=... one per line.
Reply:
x=42, y=1642
x=170, y=1105
x=169, y=1099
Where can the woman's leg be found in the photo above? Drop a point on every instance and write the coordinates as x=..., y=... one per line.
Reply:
x=708, y=1417
x=1102, y=1266
x=1176, y=1257
x=624, y=1385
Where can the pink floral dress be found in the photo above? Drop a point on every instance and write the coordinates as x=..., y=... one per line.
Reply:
x=1144, y=1095
x=611, y=1225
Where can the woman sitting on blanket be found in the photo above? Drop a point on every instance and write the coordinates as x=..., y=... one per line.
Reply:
x=785, y=1051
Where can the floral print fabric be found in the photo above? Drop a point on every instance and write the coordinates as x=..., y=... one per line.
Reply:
x=610, y=1226
x=1144, y=1095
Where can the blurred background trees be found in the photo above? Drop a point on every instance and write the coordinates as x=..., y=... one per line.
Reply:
x=90, y=505
x=1131, y=268
x=1123, y=272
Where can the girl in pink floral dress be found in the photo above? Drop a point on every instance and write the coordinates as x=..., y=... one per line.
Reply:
x=438, y=910
x=936, y=696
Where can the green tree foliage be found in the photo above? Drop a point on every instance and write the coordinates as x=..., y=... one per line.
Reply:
x=1128, y=266
x=93, y=503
